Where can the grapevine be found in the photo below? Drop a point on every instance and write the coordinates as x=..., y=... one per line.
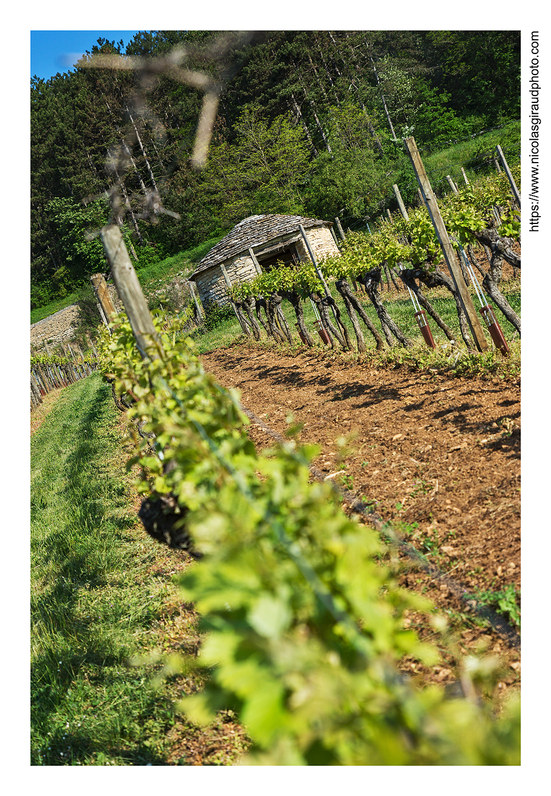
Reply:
x=304, y=624
x=470, y=215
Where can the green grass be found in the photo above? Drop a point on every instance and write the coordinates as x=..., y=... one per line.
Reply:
x=93, y=601
x=471, y=153
x=158, y=274
x=222, y=336
x=151, y=276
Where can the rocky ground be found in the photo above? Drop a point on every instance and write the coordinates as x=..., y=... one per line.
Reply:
x=437, y=456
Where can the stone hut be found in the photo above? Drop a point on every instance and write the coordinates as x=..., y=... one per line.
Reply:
x=270, y=238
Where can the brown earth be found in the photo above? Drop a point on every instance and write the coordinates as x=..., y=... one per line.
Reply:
x=437, y=456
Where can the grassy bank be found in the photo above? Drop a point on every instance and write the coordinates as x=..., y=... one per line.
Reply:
x=475, y=155
x=101, y=599
x=152, y=277
x=88, y=611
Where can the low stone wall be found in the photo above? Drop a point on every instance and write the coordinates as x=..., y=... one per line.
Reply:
x=56, y=328
x=60, y=327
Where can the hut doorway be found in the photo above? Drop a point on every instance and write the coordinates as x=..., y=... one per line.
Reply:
x=287, y=255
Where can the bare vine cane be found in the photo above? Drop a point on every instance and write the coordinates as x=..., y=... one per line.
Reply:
x=325, y=322
x=248, y=304
x=407, y=275
x=294, y=298
x=371, y=281
x=354, y=309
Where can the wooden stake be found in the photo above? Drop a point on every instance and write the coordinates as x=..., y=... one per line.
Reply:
x=401, y=204
x=447, y=249
x=453, y=186
x=318, y=271
x=464, y=175
x=195, y=299
x=255, y=261
x=512, y=183
x=313, y=258
x=130, y=291
x=238, y=315
x=103, y=298
x=339, y=227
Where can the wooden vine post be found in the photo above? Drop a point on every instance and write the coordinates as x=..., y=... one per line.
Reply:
x=238, y=314
x=447, y=249
x=512, y=182
x=196, y=300
x=451, y=183
x=130, y=292
x=314, y=261
x=323, y=324
x=419, y=314
x=400, y=201
x=256, y=264
x=103, y=299
x=339, y=227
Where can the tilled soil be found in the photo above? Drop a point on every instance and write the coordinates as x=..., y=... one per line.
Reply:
x=437, y=455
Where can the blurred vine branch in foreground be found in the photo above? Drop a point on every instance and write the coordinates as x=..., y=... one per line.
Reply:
x=220, y=66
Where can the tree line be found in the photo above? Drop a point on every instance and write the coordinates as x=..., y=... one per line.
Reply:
x=309, y=122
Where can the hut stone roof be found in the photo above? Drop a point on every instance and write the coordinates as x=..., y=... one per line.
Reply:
x=253, y=232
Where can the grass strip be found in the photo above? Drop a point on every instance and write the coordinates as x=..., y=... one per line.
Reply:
x=94, y=602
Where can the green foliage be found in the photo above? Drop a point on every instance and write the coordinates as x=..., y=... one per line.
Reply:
x=505, y=601
x=304, y=624
x=352, y=178
x=261, y=171
x=80, y=256
x=216, y=315
x=149, y=255
x=480, y=70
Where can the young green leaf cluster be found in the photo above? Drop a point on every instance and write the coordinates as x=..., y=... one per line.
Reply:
x=302, y=279
x=411, y=242
x=56, y=359
x=304, y=624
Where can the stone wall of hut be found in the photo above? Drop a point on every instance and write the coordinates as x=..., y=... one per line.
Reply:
x=211, y=283
x=321, y=242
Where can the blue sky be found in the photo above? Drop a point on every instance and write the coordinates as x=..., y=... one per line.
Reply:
x=54, y=51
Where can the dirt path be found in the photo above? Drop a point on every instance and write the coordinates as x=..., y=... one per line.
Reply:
x=437, y=455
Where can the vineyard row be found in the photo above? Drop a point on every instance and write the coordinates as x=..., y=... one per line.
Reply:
x=303, y=612
x=50, y=373
x=405, y=250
